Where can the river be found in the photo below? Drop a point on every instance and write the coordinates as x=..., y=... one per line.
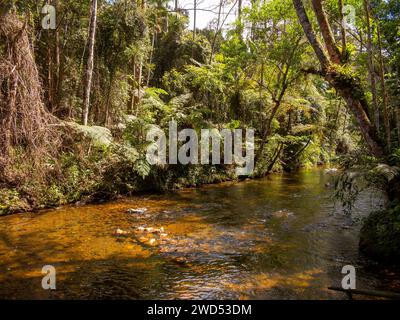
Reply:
x=282, y=237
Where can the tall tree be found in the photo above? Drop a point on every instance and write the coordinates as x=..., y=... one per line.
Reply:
x=384, y=92
x=217, y=31
x=90, y=62
x=194, y=19
x=371, y=64
x=240, y=8
x=342, y=29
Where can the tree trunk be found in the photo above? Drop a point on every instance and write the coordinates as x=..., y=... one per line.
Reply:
x=384, y=93
x=308, y=30
x=342, y=30
x=139, y=85
x=398, y=124
x=133, y=88
x=371, y=65
x=326, y=31
x=153, y=43
x=217, y=30
x=90, y=62
x=357, y=107
x=194, y=19
x=349, y=90
x=58, y=61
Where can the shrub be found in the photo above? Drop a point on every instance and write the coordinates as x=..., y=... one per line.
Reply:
x=380, y=235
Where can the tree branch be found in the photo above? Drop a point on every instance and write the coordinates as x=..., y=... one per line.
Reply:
x=326, y=31
x=308, y=30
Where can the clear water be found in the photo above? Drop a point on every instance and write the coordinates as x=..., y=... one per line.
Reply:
x=277, y=238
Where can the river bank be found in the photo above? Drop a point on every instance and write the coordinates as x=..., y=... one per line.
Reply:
x=115, y=184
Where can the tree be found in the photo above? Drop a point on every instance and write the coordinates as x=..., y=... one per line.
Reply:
x=278, y=53
x=90, y=62
x=25, y=124
x=371, y=64
x=342, y=29
x=387, y=16
x=333, y=70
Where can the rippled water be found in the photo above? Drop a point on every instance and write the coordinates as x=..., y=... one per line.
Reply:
x=277, y=238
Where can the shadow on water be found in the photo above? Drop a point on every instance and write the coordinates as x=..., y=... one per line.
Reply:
x=277, y=238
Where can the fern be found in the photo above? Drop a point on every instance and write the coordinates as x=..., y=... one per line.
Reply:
x=395, y=157
x=142, y=167
x=101, y=137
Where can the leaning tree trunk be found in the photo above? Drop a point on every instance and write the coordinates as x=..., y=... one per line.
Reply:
x=348, y=87
x=326, y=31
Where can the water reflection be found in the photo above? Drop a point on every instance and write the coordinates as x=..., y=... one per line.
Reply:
x=276, y=238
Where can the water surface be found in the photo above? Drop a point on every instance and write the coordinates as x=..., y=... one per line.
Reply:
x=277, y=238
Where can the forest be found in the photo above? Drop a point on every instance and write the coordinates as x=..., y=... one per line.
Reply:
x=82, y=83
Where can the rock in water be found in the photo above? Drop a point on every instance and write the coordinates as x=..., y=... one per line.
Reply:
x=137, y=211
x=282, y=214
x=331, y=171
x=121, y=232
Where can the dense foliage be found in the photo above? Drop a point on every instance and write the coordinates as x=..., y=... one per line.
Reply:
x=150, y=68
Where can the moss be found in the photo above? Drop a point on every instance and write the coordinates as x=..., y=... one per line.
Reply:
x=345, y=77
x=380, y=236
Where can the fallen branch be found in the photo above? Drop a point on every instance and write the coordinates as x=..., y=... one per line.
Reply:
x=373, y=293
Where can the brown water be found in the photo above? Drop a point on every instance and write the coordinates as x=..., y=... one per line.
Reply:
x=276, y=238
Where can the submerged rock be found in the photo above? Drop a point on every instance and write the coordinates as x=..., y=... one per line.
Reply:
x=282, y=214
x=328, y=185
x=182, y=261
x=331, y=171
x=138, y=210
x=148, y=241
x=151, y=230
x=121, y=232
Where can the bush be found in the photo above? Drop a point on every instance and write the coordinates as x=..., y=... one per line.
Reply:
x=10, y=202
x=380, y=235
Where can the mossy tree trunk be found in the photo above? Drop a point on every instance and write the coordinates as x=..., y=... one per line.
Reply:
x=347, y=86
